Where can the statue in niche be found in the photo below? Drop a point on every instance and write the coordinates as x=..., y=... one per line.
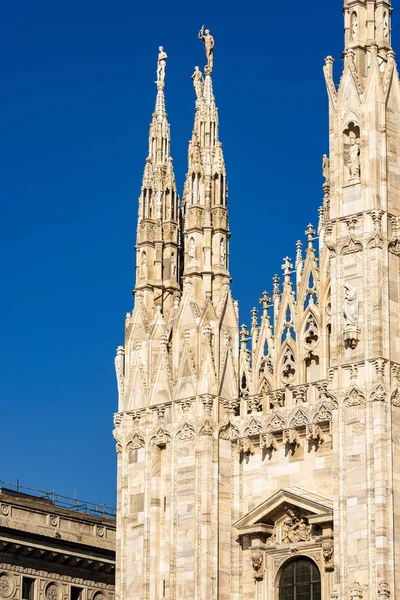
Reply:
x=295, y=529
x=222, y=252
x=354, y=27
x=198, y=82
x=161, y=66
x=192, y=250
x=350, y=306
x=173, y=265
x=385, y=26
x=208, y=40
x=144, y=271
x=325, y=167
x=353, y=160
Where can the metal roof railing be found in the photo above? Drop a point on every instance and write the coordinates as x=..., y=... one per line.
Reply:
x=99, y=510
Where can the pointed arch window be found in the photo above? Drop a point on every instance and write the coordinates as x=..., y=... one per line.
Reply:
x=300, y=580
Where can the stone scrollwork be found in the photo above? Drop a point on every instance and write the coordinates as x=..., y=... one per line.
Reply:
x=299, y=419
x=314, y=434
x=356, y=592
x=268, y=441
x=354, y=397
x=136, y=442
x=229, y=431
x=383, y=591
x=186, y=432
x=253, y=428
x=378, y=394
x=5, y=510
x=291, y=438
x=160, y=438
x=207, y=427
x=276, y=423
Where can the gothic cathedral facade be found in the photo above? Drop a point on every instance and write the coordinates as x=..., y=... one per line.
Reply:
x=265, y=464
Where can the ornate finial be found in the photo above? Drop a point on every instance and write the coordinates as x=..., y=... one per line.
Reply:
x=310, y=232
x=264, y=301
x=243, y=333
x=198, y=83
x=287, y=266
x=161, y=66
x=275, y=292
x=208, y=40
x=254, y=323
x=299, y=256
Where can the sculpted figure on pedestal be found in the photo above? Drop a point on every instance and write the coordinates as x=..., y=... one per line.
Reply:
x=198, y=82
x=325, y=167
x=353, y=160
x=222, y=252
x=144, y=269
x=350, y=306
x=192, y=250
x=161, y=66
x=208, y=41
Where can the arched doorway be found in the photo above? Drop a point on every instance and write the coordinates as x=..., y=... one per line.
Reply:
x=300, y=580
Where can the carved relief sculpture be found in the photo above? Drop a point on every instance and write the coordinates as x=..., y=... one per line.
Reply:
x=295, y=529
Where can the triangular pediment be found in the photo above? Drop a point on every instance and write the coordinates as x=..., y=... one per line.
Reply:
x=315, y=507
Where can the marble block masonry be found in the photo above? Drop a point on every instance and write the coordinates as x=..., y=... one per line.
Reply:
x=247, y=456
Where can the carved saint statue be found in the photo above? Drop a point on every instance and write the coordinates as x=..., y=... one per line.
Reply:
x=350, y=306
x=173, y=265
x=192, y=250
x=144, y=269
x=325, y=167
x=222, y=252
x=208, y=40
x=385, y=26
x=353, y=160
x=158, y=204
x=198, y=82
x=161, y=66
x=354, y=27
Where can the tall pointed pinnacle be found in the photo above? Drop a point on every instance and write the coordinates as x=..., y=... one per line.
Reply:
x=206, y=230
x=157, y=244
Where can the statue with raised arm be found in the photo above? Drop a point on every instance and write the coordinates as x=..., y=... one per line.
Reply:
x=198, y=82
x=161, y=66
x=208, y=41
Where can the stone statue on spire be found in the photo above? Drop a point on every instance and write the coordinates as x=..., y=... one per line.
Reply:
x=198, y=82
x=208, y=41
x=161, y=66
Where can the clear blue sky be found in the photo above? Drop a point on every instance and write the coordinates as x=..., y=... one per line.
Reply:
x=77, y=96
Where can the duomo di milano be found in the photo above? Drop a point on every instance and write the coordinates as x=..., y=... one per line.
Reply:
x=265, y=464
